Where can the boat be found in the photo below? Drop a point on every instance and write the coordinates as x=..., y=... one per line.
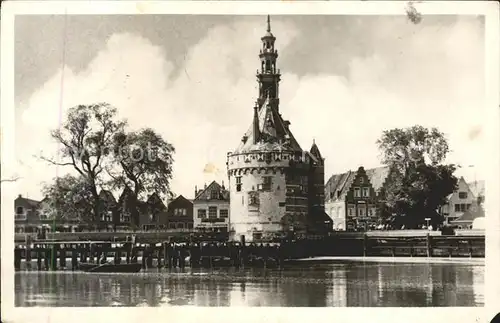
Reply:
x=109, y=268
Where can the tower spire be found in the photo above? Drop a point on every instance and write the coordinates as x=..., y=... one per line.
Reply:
x=268, y=75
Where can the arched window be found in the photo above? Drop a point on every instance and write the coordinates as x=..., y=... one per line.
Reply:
x=268, y=65
x=19, y=210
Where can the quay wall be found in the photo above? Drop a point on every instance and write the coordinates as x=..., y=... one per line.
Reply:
x=247, y=254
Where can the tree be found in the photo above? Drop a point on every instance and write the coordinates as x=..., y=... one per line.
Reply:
x=145, y=163
x=86, y=138
x=69, y=197
x=418, y=183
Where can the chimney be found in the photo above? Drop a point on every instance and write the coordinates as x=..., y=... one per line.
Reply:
x=195, y=190
x=256, y=132
x=205, y=187
x=223, y=188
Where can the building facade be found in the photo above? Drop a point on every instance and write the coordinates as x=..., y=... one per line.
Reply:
x=211, y=210
x=352, y=199
x=180, y=214
x=33, y=216
x=461, y=201
x=275, y=186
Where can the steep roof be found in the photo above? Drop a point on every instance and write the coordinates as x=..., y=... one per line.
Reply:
x=342, y=182
x=107, y=195
x=274, y=133
x=470, y=215
x=31, y=202
x=205, y=193
x=315, y=151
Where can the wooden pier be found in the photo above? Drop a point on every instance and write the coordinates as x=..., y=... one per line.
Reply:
x=65, y=255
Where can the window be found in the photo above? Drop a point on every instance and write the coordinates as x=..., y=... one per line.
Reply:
x=19, y=210
x=331, y=195
x=356, y=192
x=180, y=212
x=338, y=194
x=253, y=198
x=361, y=180
x=180, y=225
x=351, y=211
x=462, y=207
x=266, y=183
x=202, y=214
x=189, y=225
x=171, y=225
x=212, y=212
x=366, y=191
x=361, y=210
x=108, y=216
x=238, y=184
x=462, y=195
x=224, y=213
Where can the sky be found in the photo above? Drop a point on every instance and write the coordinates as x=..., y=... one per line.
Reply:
x=345, y=79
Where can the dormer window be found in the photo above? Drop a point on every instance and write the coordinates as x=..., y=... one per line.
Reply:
x=214, y=194
x=19, y=210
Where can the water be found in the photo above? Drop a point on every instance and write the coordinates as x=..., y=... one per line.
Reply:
x=343, y=283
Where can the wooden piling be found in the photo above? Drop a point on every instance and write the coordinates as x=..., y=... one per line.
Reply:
x=429, y=245
x=28, y=252
x=17, y=258
x=243, y=255
x=91, y=253
x=46, y=257
x=62, y=257
x=365, y=244
x=53, y=257
x=74, y=259
x=39, y=255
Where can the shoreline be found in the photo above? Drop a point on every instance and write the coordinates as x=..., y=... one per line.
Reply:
x=434, y=260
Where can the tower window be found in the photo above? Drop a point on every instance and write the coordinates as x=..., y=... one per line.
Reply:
x=266, y=183
x=238, y=184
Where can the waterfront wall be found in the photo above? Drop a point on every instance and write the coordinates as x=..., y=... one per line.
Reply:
x=249, y=254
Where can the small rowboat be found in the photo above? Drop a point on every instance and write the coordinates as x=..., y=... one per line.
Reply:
x=109, y=268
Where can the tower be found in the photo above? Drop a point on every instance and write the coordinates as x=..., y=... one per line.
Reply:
x=268, y=172
x=268, y=76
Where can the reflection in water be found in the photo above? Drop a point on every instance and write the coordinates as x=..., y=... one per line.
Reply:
x=336, y=284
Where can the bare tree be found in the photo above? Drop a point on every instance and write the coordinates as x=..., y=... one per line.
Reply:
x=86, y=138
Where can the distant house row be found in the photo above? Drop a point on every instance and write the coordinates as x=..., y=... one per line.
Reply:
x=353, y=200
x=209, y=210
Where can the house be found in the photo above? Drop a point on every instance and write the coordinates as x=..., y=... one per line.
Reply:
x=458, y=202
x=211, y=208
x=180, y=214
x=153, y=213
x=466, y=220
x=128, y=211
x=33, y=216
x=108, y=210
x=352, y=199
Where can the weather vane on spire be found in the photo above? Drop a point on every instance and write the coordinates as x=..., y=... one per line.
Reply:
x=268, y=23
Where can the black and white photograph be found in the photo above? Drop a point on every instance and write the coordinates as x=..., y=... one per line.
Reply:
x=250, y=155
